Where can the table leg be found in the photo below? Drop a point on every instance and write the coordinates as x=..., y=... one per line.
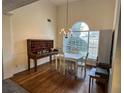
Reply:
x=63, y=66
x=89, y=83
x=35, y=62
x=28, y=63
x=50, y=58
x=76, y=68
x=60, y=63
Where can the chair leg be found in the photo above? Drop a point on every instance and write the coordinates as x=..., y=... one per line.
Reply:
x=56, y=62
x=81, y=71
x=63, y=66
x=60, y=64
x=84, y=72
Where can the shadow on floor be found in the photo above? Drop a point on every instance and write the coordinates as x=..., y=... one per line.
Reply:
x=8, y=86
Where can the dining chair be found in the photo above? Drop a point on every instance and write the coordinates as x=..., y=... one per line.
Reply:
x=60, y=61
x=72, y=63
x=70, y=66
x=82, y=64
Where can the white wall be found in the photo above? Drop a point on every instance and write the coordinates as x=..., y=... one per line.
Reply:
x=115, y=76
x=98, y=14
x=7, y=47
x=30, y=22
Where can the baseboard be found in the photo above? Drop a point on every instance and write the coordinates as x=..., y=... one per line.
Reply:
x=25, y=69
x=8, y=76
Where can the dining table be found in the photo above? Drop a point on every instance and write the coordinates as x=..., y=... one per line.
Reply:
x=71, y=57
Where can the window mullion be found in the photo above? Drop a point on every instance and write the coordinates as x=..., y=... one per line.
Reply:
x=88, y=41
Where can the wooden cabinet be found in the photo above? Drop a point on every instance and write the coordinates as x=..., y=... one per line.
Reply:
x=38, y=48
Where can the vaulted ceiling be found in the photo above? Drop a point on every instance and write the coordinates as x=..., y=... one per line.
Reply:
x=59, y=2
x=9, y=5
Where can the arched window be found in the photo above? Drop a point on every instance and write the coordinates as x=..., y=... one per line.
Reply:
x=82, y=40
x=80, y=26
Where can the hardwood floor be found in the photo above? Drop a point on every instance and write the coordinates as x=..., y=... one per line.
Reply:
x=48, y=80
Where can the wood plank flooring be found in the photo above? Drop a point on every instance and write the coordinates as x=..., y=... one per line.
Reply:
x=48, y=80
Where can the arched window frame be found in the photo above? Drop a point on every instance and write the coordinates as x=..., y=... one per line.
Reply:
x=88, y=31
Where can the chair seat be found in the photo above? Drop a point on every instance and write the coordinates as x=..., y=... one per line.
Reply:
x=81, y=64
x=101, y=71
x=60, y=55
